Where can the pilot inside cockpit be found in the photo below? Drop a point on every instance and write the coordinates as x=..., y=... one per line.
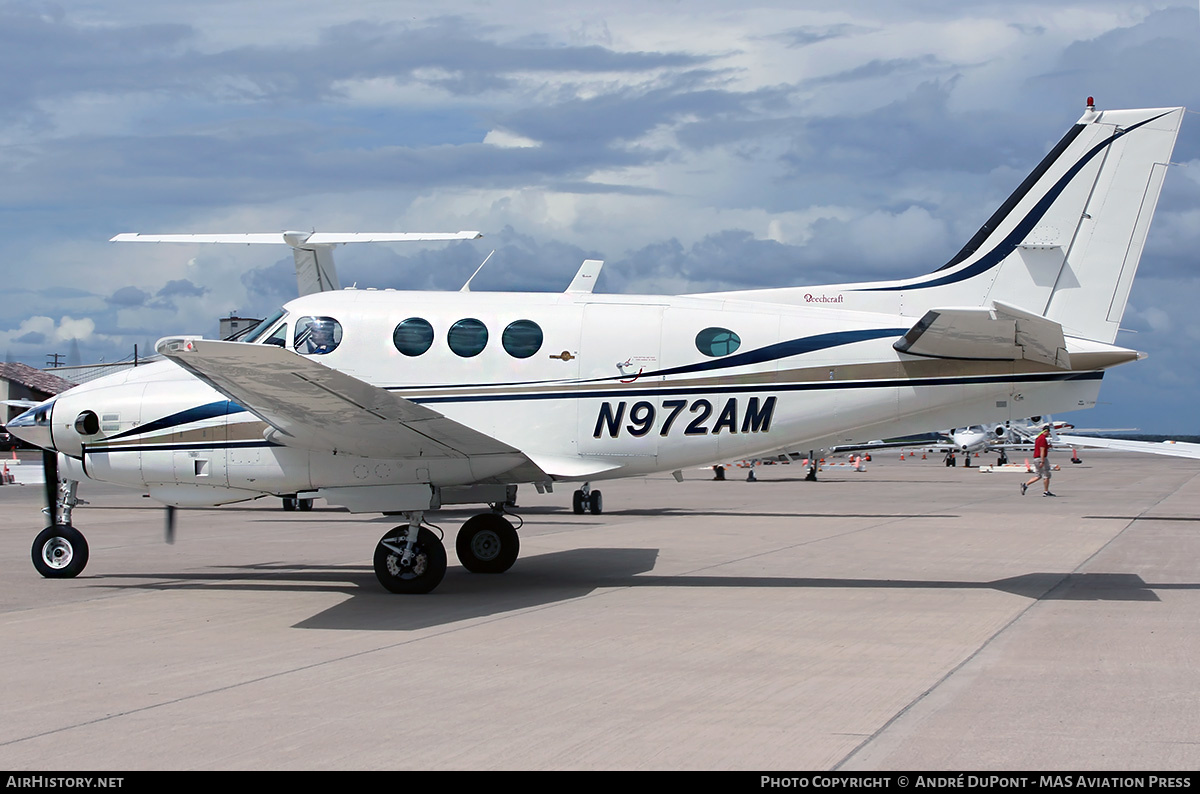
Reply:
x=317, y=335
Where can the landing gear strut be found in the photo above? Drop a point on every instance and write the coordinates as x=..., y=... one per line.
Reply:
x=60, y=551
x=586, y=500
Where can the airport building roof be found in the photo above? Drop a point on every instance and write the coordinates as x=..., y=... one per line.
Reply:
x=34, y=379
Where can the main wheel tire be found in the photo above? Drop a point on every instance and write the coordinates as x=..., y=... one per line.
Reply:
x=60, y=552
x=424, y=571
x=289, y=503
x=304, y=504
x=578, y=503
x=596, y=503
x=487, y=543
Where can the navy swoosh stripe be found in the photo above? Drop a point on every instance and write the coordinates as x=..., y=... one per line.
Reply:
x=196, y=414
x=779, y=350
x=1022, y=230
x=792, y=347
x=980, y=237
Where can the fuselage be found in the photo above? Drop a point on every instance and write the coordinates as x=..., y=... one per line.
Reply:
x=587, y=386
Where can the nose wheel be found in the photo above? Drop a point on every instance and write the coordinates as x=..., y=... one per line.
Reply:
x=60, y=552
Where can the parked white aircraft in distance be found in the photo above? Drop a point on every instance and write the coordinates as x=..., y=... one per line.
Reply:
x=398, y=402
x=998, y=437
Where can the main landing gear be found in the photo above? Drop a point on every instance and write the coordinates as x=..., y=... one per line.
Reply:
x=60, y=551
x=585, y=500
x=411, y=558
x=294, y=503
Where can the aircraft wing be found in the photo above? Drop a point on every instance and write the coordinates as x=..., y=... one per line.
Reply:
x=1177, y=449
x=313, y=406
x=1002, y=332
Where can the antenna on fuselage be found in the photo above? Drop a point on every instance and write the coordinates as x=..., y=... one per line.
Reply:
x=467, y=287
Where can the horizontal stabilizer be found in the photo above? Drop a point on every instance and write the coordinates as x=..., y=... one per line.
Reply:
x=298, y=239
x=312, y=251
x=1002, y=333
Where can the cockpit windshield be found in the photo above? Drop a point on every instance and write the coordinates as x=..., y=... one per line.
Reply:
x=257, y=331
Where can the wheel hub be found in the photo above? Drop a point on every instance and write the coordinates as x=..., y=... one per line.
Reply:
x=486, y=545
x=415, y=567
x=57, y=553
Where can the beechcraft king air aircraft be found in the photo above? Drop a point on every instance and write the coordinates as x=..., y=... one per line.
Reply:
x=403, y=402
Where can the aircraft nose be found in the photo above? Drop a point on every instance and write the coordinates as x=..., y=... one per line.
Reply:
x=33, y=426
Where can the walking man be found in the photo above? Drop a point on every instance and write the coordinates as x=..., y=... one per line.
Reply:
x=1041, y=460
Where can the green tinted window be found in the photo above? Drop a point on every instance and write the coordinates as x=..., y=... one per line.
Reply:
x=413, y=336
x=522, y=338
x=467, y=337
x=717, y=341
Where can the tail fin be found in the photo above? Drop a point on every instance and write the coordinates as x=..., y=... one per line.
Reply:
x=1071, y=248
x=1064, y=245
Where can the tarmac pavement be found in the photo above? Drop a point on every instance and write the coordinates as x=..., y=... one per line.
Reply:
x=908, y=617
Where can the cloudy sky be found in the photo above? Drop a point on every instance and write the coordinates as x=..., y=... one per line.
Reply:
x=692, y=145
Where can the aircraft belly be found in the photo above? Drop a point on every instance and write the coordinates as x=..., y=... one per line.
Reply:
x=270, y=469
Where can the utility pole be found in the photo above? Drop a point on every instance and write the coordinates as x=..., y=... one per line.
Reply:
x=53, y=360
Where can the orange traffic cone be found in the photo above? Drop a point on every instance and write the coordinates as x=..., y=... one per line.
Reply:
x=922, y=456
x=901, y=456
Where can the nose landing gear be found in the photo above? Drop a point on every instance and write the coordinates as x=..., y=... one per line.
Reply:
x=60, y=551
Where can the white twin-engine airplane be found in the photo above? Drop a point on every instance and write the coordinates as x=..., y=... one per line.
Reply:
x=405, y=402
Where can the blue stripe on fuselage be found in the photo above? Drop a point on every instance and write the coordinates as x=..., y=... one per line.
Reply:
x=1022, y=230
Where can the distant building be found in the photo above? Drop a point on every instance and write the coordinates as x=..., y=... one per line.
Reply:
x=22, y=382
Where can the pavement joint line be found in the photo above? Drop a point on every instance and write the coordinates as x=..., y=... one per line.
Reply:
x=1009, y=624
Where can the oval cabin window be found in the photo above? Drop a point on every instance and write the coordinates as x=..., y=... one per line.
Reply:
x=467, y=337
x=413, y=336
x=717, y=341
x=521, y=339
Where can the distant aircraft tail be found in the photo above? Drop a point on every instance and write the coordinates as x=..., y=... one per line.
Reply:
x=1065, y=245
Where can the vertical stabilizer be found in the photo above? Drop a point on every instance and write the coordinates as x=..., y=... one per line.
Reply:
x=1064, y=245
x=1092, y=287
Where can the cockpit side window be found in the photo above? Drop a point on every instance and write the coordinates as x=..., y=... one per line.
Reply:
x=255, y=333
x=279, y=337
x=317, y=335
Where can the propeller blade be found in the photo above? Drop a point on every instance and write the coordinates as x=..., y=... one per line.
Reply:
x=50, y=470
x=170, y=527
